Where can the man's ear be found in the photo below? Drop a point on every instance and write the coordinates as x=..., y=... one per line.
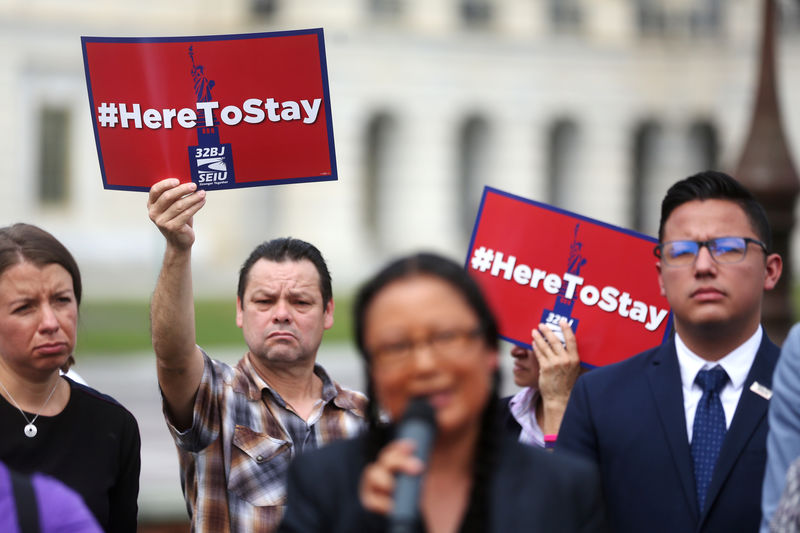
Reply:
x=329, y=314
x=772, y=271
x=660, y=280
x=239, y=314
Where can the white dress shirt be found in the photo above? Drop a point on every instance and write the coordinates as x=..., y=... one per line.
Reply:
x=736, y=364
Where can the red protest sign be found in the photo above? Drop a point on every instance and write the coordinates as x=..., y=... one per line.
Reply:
x=224, y=111
x=536, y=263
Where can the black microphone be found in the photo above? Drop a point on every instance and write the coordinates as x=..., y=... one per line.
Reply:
x=418, y=424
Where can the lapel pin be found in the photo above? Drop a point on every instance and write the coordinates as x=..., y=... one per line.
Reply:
x=761, y=390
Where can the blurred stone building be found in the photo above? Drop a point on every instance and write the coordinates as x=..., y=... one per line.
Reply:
x=595, y=106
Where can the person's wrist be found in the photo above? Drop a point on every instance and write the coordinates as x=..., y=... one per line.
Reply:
x=555, y=402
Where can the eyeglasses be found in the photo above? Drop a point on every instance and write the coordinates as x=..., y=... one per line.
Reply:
x=723, y=250
x=444, y=343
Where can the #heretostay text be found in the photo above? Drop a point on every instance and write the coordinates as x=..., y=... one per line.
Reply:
x=609, y=299
x=253, y=111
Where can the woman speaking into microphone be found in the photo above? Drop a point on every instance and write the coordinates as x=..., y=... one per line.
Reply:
x=425, y=331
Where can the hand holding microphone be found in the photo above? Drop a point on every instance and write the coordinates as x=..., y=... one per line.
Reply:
x=391, y=485
x=418, y=425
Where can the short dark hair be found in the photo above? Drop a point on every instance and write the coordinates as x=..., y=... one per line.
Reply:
x=714, y=185
x=287, y=249
x=25, y=242
x=425, y=264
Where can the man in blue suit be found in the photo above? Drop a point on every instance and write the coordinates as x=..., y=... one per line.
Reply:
x=675, y=456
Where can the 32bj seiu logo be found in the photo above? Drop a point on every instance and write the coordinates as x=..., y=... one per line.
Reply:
x=211, y=164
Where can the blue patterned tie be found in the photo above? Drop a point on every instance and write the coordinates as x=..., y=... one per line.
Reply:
x=709, y=429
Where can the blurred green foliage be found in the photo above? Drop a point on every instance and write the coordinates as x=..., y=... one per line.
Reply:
x=112, y=327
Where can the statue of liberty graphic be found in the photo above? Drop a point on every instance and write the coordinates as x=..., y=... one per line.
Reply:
x=211, y=162
x=563, y=306
x=202, y=85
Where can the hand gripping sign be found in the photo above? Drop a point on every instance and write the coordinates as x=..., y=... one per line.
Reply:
x=224, y=111
x=536, y=263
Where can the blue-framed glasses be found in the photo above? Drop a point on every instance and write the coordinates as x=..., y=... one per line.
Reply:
x=723, y=250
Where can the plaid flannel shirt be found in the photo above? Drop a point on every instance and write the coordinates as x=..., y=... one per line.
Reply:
x=234, y=458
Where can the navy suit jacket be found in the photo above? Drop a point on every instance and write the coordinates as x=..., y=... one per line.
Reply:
x=629, y=419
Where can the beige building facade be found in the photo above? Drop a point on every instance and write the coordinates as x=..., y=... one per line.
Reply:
x=595, y=106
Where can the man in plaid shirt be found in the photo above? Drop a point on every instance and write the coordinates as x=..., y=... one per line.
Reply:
x=237, y=428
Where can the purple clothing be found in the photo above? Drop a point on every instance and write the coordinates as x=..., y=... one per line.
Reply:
x=61, y=510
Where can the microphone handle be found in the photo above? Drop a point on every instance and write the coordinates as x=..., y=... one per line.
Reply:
x=405, y=511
